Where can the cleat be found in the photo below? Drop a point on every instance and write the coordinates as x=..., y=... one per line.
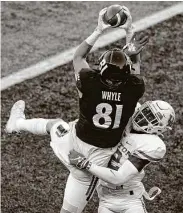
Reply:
x=17, y=112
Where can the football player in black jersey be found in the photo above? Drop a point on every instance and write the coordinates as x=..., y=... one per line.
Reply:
x=121, y=188
x=108, y=97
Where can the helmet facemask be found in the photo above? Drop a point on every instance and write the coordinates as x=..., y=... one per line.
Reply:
x=151, y=119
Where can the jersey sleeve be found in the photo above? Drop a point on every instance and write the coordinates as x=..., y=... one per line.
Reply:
x=138, y=86
x=83, y=78
x=149, y=148
x=151, y=153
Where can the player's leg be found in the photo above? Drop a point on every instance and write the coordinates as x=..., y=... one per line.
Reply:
x=136, y=210
x=83, y=183
x=75, y=198
x=102, y=209
x=136, y=206
x=78, y=183
x=17, y=121
x=95, y=155
x=61, y=140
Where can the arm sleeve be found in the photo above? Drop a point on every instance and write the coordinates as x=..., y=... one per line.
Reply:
x=153, y=150
x=84, y=79
x=139, y=85
x=136, y=87
x=151, y=155
x=141, y=159
x=125, y=172
x=79, y=60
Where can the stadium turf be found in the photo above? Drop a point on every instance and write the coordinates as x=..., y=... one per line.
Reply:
x=33, y=179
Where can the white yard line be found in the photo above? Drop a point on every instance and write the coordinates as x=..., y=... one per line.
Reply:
x=66, y=56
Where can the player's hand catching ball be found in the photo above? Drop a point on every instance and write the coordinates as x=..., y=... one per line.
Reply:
x=78, y=160
x=101, y=27
x=128, y=24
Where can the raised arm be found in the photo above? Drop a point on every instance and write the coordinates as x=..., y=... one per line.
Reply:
x=133, y=50
x=129, y=29
x=79, y=60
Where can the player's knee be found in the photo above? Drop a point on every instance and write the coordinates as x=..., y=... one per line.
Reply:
x=59, y=130
x=65, y=211
x=62, y=125
x=69, y=208
x=51, y=123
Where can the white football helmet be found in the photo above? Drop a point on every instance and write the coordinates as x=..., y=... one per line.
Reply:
x=153, y=117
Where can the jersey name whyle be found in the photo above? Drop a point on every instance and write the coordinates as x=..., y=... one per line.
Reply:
x=113, y=96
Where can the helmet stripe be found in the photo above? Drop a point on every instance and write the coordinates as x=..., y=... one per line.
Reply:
x=103, y=69
x=111, y=57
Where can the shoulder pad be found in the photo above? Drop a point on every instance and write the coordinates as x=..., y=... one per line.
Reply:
x=86, y=73
x=85, y=77
x=149, y=147
x=136, y=86
x=136, y=79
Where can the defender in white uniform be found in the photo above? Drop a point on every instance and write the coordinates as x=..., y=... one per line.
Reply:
x=120, y=189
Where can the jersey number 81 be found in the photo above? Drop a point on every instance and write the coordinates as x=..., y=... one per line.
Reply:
x=103, y=119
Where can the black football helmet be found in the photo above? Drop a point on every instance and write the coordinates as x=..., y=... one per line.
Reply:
x=114, y=67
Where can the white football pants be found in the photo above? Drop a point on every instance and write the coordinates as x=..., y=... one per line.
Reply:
x=80, y=184
x=133, y=205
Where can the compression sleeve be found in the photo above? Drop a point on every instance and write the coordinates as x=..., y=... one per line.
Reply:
x=125, y=172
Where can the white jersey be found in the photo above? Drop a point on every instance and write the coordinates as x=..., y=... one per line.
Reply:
x=148, y=147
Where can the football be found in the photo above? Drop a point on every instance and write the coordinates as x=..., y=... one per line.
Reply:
x=115, y=15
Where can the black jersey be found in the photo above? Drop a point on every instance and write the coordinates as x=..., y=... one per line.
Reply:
x=104, y=112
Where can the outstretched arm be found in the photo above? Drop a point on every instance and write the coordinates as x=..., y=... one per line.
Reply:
x=125, y=172
x=79, y=60
x=128, y=27
x=133, y=50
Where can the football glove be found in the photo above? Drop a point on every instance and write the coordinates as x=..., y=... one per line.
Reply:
x=101, y=25
x=136, y=45
x=128, y=24
x=78, y=160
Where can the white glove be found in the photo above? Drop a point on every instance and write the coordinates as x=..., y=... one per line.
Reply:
x=136, y=45
x=128, y=24
x=101, y=27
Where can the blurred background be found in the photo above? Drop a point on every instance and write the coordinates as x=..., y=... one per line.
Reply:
x=33, y=31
